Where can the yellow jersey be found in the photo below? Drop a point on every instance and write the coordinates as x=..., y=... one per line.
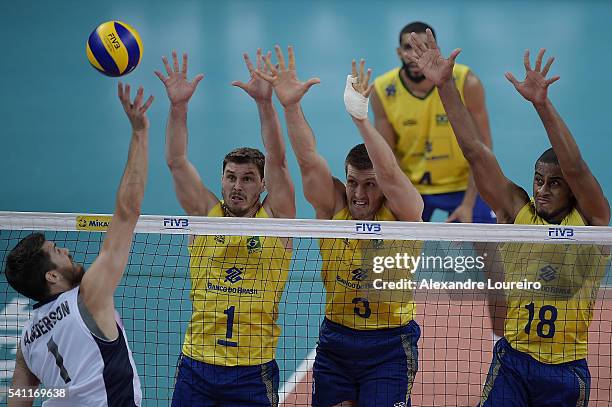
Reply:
x=552, y=323
x=236, y=285
x=427, y=149
x=351, y=299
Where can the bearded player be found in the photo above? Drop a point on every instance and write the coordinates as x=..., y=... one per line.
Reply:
x=75, y=339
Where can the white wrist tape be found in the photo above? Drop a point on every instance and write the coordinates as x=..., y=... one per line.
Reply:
x=356, y=104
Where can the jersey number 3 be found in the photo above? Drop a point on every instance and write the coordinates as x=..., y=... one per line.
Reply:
x=364, y=312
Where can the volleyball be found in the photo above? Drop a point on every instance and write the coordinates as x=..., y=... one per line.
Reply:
x=114, y=48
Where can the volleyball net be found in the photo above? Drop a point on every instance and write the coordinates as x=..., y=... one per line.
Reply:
x=459, y=282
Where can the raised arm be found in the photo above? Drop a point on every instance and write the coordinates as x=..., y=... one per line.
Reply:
x=474, y=97
x=100, y=281
x=320, y=189
x=280, y=201
x=23, y=378
x=591, y=201
x=402, y=198
x=193, y=196
x=501, y=194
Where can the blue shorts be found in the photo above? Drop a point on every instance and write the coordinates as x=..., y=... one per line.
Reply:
x=450, y=201
x=516, y=379
x=201, y=384
x=376, y=368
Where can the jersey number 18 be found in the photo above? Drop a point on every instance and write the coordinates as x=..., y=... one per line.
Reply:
x=545, y=320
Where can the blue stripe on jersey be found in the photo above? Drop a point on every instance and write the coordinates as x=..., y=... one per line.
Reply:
x=102, y=56
x=130, y=44
x=117, y=373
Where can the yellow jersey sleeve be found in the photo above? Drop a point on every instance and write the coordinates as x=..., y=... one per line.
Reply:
x=236, y=286
x=426, y=148
x=551, y=324
x=351, y=299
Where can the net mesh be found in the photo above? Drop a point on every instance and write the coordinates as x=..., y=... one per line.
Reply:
x=360, y=275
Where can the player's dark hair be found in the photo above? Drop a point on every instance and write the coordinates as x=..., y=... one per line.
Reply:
x=358, y=158
x=246, y=155
x=548, y=157
x=26, y=266
x=415, y=27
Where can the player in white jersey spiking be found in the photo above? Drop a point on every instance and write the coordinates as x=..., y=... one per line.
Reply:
x=74, y=342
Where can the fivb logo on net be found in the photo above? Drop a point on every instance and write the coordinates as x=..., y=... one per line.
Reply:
x=368, y=228
x=176, y=223
x=561, y=233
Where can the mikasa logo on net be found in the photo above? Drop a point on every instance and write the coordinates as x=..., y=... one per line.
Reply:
x=95, y=223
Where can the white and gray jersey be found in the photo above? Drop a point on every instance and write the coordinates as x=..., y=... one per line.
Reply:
x=61, y=351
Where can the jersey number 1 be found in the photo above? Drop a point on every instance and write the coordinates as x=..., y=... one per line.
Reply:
x=230, y=327
x=59, y=360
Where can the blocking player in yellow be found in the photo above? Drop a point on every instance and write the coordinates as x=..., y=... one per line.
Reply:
x=367, y=351
x=409, y=114
x=237, y=282
x=542, y=358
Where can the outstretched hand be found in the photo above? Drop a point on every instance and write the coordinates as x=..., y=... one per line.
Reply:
x=362, y=85
x=136, y=111
x=257, y=88
x=430, y=61
x=534, y=87
x=357, y=91
x=287, y=86
x=179, y=89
